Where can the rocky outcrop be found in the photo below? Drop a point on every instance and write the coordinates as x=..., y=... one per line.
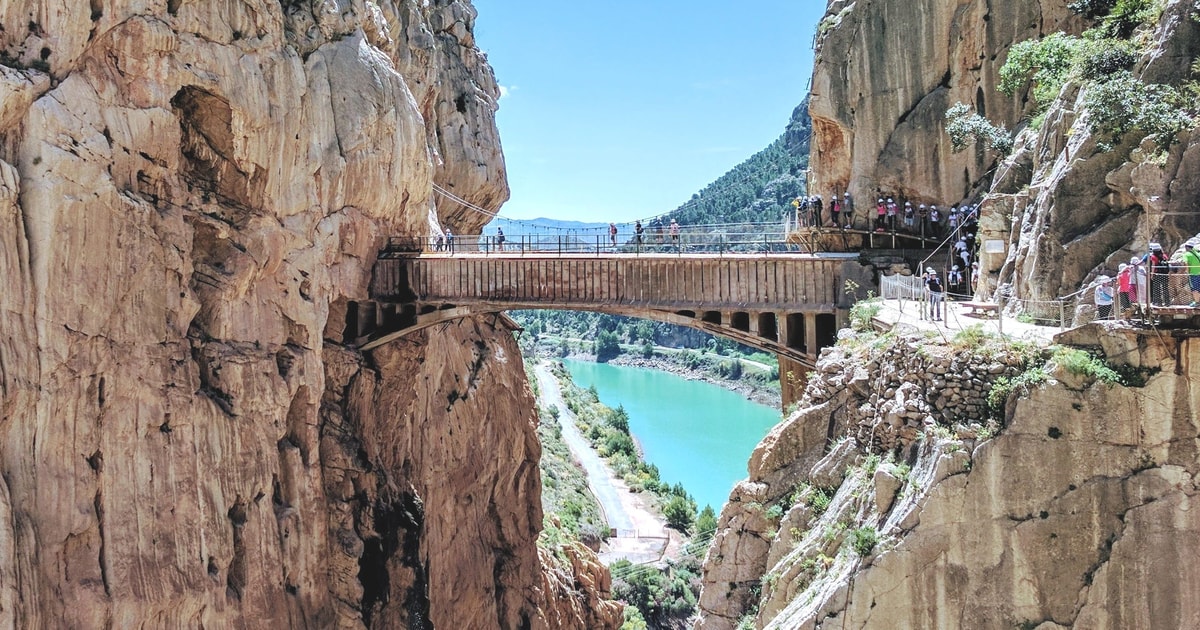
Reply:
x=1070, y=513
x=885, y=74
x=1072, y=205
x=191, y=195
x=1067, y=205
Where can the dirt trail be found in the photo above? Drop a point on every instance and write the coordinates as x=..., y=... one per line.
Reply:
x=642, y=533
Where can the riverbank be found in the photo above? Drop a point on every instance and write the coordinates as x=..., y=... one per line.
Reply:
x=750, y=389
x=640, y=532
x=691, y=364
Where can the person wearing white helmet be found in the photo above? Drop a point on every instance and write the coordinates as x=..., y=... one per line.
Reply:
x=937, y=293
x=880, y=214
x=1159, y=268
x=1125, y=289
x=1138, y=280
x=848, y=210
x=954, y=280
x=1104, y=297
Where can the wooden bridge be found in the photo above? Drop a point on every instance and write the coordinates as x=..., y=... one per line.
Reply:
x=791, y=304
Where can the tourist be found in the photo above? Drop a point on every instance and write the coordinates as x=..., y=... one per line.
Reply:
x=439, y=243
x=955, y=279
x=880, y=212
x=1137, y=279
x=449, y=241
x=1159, y=268
x=936, y=292
x=974, y=277
x=952, y=219
x=848, y=210
x=892, y=209
x=674, y=234
x=816, y=210
x=499, y=239
x=935, y=222
x=638, y=230
x=1125, y=289
x=909, y=217
x=1104, y=297
x=658, y=231
x=1192, y=259
x=835, y=207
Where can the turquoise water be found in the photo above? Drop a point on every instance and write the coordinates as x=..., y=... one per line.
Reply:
x=698, y=434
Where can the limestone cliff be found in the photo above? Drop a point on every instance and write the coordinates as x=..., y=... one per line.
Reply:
x=191, y=193
x=1068, y=203
x=893, y=499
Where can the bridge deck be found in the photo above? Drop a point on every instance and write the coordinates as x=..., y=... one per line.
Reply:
x=659, y=281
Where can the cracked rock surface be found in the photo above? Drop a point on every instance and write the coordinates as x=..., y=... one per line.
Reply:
x=1073, y=512
x=192, y=195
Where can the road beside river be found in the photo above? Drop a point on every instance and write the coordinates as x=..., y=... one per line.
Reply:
x=642, y=534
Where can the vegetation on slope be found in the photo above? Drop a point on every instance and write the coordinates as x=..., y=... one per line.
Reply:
x=760, y=189
x=1100, y=62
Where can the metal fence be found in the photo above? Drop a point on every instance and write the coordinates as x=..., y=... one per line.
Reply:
x=898, y=287
x=686, y=242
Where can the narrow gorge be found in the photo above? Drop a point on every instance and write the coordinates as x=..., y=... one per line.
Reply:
x=191, y=195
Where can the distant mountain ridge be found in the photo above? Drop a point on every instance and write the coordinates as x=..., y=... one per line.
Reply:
x=761, y=188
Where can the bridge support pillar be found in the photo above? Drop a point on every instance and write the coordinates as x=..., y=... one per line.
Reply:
x=793, y=376
x=811, y=342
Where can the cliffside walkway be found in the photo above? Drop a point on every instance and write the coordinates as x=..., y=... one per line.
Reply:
x=775, y=299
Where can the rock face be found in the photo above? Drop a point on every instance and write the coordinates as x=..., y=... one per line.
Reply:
x=1077, y=514
x=1065, y=206
x=885, y=74
x=191, y=193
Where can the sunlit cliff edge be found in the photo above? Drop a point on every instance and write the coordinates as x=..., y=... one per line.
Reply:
x=190, y=195
x=909, y=489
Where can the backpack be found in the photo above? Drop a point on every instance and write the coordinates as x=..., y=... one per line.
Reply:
x=935, y=285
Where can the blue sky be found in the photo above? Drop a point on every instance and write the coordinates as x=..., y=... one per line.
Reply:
x=620, y=110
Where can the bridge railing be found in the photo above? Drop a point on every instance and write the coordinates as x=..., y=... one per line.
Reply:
x=686, y=242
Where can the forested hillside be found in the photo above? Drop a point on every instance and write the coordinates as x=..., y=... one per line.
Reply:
x=758, y=190
x=762, y=187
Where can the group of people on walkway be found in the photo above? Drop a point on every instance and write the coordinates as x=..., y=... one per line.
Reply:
x=1154, y=279
x=810, y=211
x=890, y=215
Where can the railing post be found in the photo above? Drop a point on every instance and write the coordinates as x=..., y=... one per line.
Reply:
x=1062, y=314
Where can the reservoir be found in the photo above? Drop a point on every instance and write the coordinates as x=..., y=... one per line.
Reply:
x=698, y=434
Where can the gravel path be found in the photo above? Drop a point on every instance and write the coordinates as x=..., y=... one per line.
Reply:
x=642, y=534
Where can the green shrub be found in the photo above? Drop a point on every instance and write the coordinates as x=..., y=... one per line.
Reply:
x=966, y=127
x=706, y=522
x=819, y=501
x=607, y=346
x=1105, y=59
x=1092, y=8
x=864, y=539
x=680, y=513
x=1046, y=62
x=998, y=395
x=863, y=312
x=1124, y=104
x=1126, y=15
x=1083, y=363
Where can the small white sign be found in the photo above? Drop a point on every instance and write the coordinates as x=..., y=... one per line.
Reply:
x=994, y=246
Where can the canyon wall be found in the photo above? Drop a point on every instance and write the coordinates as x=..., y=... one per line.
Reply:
x=191, y=194
x=897, y=498
x=1068, y=204
x=885, y=74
